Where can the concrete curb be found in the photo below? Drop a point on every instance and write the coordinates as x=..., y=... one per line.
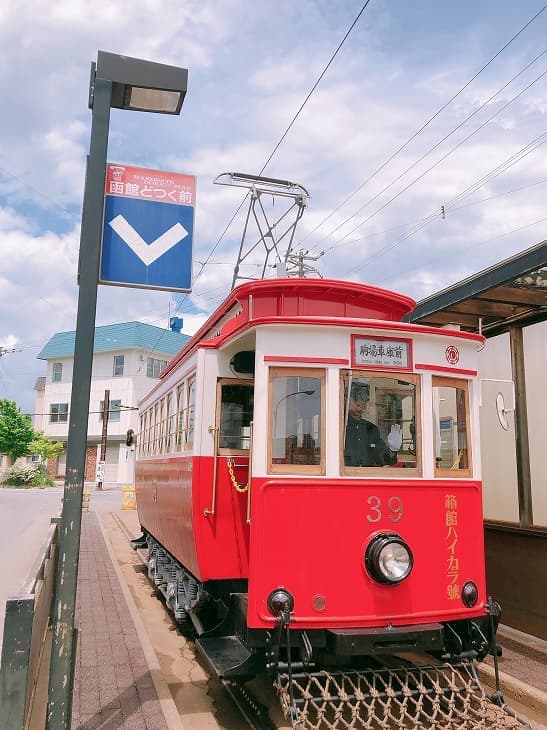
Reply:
x=167, y=703
x=514, y=689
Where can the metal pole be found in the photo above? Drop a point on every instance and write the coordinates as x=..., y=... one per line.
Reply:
x=102, y=456
x=63, y=647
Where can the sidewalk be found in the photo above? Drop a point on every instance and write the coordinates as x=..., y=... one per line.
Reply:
x=116, y=683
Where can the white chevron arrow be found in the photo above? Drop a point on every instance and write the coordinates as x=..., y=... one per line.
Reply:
x=147, y=252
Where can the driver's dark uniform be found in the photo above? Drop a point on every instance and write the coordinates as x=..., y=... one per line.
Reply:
x=364, y=446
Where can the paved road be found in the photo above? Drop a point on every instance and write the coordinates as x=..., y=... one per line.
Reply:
x=25, y=517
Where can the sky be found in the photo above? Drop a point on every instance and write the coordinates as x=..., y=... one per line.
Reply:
x=417, y=129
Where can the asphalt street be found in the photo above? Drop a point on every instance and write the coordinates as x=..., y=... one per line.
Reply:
x=25, y=517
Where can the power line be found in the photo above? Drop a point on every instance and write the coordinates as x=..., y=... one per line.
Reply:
x=475, y=245
x=438, y=162
x=424, y=126
x=276, y=148
x=435, y=146
x=512, y=160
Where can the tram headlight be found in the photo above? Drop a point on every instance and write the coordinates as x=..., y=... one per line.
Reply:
x=280, y=602
x=470, y=594
x=388, y=559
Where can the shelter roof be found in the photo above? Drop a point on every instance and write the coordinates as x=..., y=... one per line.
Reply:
x=513, y=292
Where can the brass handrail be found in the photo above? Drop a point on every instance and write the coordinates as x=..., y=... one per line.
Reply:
x=250, y=473
x=216, y=431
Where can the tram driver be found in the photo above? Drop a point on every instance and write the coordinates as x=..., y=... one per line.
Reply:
x=363, y=445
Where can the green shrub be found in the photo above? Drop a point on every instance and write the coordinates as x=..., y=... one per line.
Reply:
x=27, y=475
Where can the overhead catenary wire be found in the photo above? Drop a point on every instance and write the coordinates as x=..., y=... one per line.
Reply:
x=276, y=147
x=509, y=162
x=473, y=246
x=438, y=162
x=438, y=144
x=291, y=123
x=425, y=125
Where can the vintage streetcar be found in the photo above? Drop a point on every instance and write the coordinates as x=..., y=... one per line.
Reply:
x=308, y=484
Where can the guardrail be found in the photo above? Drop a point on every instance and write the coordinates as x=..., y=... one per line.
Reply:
x=25, y=628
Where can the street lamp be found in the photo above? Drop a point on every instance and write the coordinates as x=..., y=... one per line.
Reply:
x=118, y=82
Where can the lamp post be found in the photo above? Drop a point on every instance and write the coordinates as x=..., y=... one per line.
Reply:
x=118, y=82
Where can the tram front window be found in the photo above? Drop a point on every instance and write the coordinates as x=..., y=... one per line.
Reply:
x=378, y=420
x=296, y=418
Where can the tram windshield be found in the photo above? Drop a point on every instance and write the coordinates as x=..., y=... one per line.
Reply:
x=296, y=418
x=378, y=420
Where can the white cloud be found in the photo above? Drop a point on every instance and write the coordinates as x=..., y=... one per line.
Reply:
x=250, y=68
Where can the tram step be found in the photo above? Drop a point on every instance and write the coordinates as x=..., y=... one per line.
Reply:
x=226, y=656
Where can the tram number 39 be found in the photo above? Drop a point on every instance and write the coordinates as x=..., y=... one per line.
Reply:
x=393, y=506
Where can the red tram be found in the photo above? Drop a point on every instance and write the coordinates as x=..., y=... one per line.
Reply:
x=308, y=481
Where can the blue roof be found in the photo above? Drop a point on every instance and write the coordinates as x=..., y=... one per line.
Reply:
x=118, y=337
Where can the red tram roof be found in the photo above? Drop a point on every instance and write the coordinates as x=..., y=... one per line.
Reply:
x=288, y=298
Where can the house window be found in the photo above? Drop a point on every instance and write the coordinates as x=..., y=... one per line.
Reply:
x=57, y=372
x=118, y=366
x=114, y=411
x=154, y=367
x=58, y=413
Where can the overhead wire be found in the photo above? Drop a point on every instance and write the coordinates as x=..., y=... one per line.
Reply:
x=437, y=144
x=438, y=162
x=502, y=167
x=276, y=147
x=425, y=125
x=473, y=246
x=278, y=144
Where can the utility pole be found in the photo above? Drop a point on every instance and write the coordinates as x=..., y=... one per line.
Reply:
x=102, y=458
x=297, y=266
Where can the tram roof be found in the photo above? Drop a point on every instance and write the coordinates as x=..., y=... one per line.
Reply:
x=513, y=292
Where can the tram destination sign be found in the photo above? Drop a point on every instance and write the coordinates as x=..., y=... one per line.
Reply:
x=381, y=352
x=148, y=228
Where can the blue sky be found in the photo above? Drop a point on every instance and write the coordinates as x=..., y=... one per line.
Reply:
x=251, y=66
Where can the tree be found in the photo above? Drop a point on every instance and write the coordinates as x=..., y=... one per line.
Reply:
x=44, y=447
x=16, y=430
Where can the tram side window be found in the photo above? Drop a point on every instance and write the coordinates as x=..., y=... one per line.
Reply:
x=296, y=419
x=191, y=413
x=451, y=427
x=236, y=414
x=181, y=406
x=379, y=420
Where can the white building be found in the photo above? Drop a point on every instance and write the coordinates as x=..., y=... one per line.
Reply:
x=127, y=360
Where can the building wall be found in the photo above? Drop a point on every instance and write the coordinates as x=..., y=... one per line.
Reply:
x=498, y=455
x=128, y=388
x=535, y=357
x=498, y=445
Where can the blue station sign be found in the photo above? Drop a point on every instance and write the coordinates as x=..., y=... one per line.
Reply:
x=148, y=229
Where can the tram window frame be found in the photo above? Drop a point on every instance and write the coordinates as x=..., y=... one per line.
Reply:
x=400, y=467
x=221, y=411
x=190, y=420
x=179, y=416
x=278, y=467
x=462, y=384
